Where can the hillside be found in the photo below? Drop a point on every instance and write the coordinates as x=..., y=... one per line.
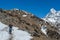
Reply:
x=37, y=27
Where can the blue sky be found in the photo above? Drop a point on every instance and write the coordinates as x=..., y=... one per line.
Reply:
x=37, y=7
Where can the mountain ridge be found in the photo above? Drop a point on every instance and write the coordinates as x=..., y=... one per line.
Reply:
x=37, y=27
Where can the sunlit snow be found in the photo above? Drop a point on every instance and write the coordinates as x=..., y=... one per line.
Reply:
x=53, y=16
x=53, y=11
x=4, y=35
x=51, y=20
x=16, y=34
x=44, y=29
x=24, y=15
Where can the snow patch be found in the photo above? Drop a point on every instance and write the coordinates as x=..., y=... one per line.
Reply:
x=44, y=29
x=24, y=15
x=16, y=34
x=2, y=26
x=21, y=35
x=4, y=35
x=51, y=20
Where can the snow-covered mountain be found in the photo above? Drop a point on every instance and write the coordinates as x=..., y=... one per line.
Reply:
x=53, y=17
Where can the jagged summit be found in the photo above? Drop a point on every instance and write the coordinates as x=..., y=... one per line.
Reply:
x=53, y=17
x=52, y=10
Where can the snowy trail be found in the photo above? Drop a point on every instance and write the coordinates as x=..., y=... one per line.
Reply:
x=16, y=34
x=21, y=35
x=4, y=35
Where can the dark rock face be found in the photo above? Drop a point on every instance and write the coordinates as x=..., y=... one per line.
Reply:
x=28, y=22
x=53, y=34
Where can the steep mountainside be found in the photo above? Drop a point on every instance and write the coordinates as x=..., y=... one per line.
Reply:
x=37, y=27
x=53, y=17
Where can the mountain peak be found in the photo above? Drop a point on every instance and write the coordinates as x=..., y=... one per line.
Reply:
x=52, y=10
x=53, y=17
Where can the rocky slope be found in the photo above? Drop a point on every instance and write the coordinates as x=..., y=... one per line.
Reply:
x=37, y=27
